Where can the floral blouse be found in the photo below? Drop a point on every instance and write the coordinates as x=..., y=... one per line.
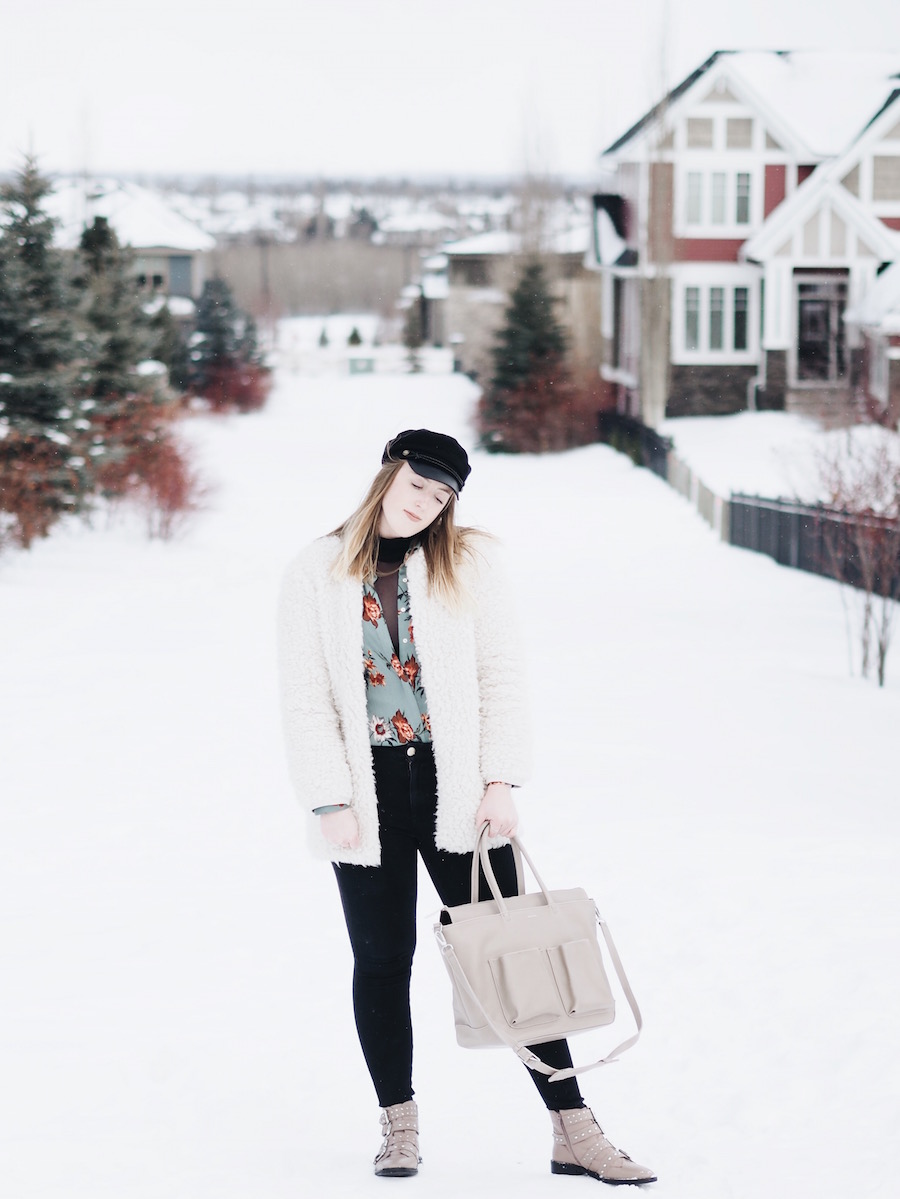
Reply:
x=395, y=696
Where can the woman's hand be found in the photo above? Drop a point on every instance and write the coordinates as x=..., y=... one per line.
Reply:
x=499, y=810
x=341, y=829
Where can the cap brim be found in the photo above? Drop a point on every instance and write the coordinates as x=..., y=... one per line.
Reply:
x=427, y=471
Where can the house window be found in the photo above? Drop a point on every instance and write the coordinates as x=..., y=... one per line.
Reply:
x=715, y=321
x=885, y=178
x=692, y=318
x=618, y=314
x=699, y=133
x=741, y=306
x=717, y=209
x=739, y=133
x=716, y=318
x=180, y=275
x=471, y=272
x=694, y=214
x=718, y=200
x=742, y=206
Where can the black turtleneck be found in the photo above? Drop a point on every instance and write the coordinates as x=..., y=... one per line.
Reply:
x=391, y=552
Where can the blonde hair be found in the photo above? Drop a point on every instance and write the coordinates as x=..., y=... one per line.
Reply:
x=445, y=544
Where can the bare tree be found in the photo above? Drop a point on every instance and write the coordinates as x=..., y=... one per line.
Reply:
x=861, y=476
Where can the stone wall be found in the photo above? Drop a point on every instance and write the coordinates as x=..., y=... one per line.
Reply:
x=708, y=390
x=775, y=391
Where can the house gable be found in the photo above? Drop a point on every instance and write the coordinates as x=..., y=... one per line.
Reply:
x=822, y=223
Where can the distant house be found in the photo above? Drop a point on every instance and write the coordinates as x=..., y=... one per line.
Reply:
x=482, y=271
x=168, y=249
x=751, y=207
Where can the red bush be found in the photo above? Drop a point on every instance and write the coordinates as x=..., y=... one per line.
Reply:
x=144, y=461
x=236, y=387
x=546, y=414
x=38, y=484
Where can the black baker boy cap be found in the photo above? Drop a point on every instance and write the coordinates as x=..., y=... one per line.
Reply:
x=432, y=455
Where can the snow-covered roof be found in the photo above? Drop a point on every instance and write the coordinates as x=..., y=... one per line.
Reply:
x=498, y=241
x=821, y=100
x=140, y=218
x=502, y=241
x=828, y=97
x=879, y=308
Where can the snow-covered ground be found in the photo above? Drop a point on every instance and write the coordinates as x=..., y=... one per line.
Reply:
x=175, y=1004
x=767, y=453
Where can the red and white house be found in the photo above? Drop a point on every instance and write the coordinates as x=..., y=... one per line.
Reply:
x=754, y=209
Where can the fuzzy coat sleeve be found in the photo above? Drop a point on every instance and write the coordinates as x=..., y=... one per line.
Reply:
x=505, y=720
x=317, y=760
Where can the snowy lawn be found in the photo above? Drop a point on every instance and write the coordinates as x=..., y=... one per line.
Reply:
x=175, y=988
x=766, y=453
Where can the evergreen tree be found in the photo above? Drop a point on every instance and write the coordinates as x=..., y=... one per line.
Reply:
x=170, y=347
x=412, y=334
x=41, y=473
x=226, y=367
x=354, y=339
x=119, y=332
x=528, y=403
x=129, y=412
x=531, y=343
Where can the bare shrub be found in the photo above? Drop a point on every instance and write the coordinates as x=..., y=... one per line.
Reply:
x=861, y=477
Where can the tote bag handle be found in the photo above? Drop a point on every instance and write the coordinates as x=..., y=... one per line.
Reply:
x=480, y=857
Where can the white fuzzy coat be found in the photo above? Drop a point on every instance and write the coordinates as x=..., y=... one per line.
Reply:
x=471, y=670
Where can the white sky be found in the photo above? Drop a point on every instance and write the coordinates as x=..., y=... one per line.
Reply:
x=365, y=87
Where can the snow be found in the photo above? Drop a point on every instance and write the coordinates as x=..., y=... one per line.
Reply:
x=771, y=454
x=879, y=309
x=175, y=994
x=141, y=218
x=826, y=97
x=576, y=240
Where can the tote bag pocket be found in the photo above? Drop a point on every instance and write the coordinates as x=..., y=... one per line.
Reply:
x=526, y=988
x=583, y=986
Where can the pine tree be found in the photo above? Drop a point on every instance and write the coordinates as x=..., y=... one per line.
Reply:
x=42, y=475
x=169, y=346
x=527, y=406
x=129, y=412
x=412, y=334
x=354, y=339
x=226, y=367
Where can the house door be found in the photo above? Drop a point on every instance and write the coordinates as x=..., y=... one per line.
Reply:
x=821, y=356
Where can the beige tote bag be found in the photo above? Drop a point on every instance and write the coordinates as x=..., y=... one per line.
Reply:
x=529, y=968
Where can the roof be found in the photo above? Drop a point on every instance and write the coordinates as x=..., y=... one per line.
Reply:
x=139, y=217
x=823, y=98
x=501, y=241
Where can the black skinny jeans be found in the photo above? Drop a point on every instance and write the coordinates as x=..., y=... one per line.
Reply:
x=380, y=910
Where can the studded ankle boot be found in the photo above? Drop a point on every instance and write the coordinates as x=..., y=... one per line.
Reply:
x=580, y=1147
x=399, y=1154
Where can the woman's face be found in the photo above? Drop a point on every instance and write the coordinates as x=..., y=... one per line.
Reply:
x=411, y=504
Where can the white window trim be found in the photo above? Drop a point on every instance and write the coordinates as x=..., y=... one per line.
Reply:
x=705, y=277
x=730, y=167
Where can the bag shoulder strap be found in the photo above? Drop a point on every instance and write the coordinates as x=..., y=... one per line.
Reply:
x=531, y=1059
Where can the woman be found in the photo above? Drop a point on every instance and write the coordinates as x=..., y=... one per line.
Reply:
x=406, y=730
